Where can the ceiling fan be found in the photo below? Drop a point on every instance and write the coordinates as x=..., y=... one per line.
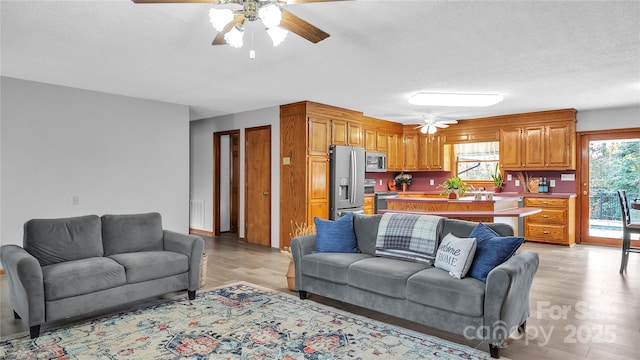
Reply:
x=432, y=124
x=278, y=21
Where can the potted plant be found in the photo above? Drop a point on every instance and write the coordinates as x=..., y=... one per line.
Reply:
x=454, y=187
x=498, y=181
x=404, y=179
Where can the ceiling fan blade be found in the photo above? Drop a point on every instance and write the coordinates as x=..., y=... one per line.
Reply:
x=219, y=39
x=302, y=28
x=448, y=122
x=441, y=125
x=173, y=1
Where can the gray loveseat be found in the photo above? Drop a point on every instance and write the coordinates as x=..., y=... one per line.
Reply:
x=419, y=292
x=73, y=266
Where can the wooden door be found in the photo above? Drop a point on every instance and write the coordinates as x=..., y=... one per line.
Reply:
x=510, y=148
x=257, y=174
x=607, y=163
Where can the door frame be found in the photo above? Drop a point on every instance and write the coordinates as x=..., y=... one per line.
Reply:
x=235, y=180
x=247, y=181
x=582, y=174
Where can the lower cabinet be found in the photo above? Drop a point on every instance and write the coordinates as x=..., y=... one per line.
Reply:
x=555, y=224
x=368, y=205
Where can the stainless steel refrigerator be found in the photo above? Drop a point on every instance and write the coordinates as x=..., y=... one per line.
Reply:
x=347, y=165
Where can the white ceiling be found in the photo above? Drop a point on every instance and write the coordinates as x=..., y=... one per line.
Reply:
x=539, y=55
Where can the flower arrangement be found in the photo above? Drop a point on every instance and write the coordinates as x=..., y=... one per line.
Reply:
x=403, y=178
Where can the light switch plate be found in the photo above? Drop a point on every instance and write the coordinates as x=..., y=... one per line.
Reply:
x=517, y=183
x=286, y=161
x=508, y=177
x=568, y=177
x=552, y=183
x=431, y=182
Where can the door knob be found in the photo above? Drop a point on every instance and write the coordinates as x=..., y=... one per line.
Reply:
x=265, y=193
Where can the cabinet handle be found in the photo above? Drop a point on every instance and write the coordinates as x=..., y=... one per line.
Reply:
x=545, y=216
x=545, y=232
x=545, y=202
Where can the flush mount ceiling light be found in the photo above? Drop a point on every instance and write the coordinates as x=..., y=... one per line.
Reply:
x=454, y=99
x=277, y=21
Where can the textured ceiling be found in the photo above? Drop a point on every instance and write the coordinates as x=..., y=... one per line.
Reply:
x=539, y=55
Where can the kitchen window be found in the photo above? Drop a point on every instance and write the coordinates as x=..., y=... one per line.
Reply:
x=476, y=162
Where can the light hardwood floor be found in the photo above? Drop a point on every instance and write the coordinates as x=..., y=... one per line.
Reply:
x=581, y=307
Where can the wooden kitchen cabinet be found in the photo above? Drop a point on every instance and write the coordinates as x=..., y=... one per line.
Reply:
x=538, y=147
x=395, y=152
x=555, y=224
x=368, y=205
x=432, y=153
x=319, y=136
x=306, y=131
x=411, y=151
x=375, y=140
x=346, y=133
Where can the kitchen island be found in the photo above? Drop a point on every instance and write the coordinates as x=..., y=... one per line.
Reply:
x=499, y=209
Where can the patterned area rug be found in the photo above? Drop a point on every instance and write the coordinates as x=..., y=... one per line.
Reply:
x=238, y=321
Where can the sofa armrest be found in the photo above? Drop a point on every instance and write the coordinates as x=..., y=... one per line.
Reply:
x=189, y=245
x=507, y=302
x=26, y=286
x=301, y=246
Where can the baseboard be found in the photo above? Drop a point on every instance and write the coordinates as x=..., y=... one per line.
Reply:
x=200, y=232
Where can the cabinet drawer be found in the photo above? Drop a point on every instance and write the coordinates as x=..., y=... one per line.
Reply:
x=547, y=233
x=368, y=200
x=541, y=202
x=549, y=216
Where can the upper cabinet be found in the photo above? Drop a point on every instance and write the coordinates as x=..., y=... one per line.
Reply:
x=346, y=133
x=395, y=152
x=319, y=135
x=433, y=154
x=538, y=147
x=411, y=150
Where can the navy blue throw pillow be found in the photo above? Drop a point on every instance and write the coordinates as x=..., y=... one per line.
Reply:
x=482, y=232
x=336, y=236
x=491, y=253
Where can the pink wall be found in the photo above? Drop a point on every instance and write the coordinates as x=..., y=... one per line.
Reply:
x=561, y=186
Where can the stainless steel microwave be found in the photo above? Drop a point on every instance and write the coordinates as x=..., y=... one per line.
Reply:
x=376, y=162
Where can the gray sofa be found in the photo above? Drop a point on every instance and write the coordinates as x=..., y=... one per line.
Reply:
x=73, y=266
x=419, y=292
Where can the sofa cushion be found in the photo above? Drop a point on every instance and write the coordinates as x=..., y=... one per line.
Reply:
x=491, y=253
x=409, y=236
x=366, y=230
x=335, y=236
x=436, y=288
x=330, y=266
x=131, y=233
x=383, y=275
x=463, y=228
x=56, y=240
x=149, y=265
x=455, y=255
x=78, y=277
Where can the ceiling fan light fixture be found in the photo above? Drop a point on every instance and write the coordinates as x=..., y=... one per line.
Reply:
x=455, y=99
x=220, y=18
x=234, y=37
x=270, y=15
x=432, y=129
x=277, y=34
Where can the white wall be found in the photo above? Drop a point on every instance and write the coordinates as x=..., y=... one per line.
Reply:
x=610, y=118
x=202, y=162
x=116, y=154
